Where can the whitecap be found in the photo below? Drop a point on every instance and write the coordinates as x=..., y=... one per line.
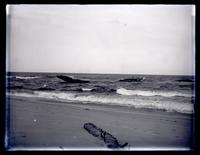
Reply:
x=123, y=91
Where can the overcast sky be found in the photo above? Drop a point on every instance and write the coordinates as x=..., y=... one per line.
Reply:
x=127, y=39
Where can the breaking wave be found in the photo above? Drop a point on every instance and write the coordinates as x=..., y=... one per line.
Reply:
x=123, y=91
x=9, y=76
x=110, y=99
x=86, y=89
x=27, y=77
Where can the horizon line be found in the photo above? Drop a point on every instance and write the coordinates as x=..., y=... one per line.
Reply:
x=99, y=73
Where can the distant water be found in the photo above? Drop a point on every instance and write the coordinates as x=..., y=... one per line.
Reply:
x=168, y=93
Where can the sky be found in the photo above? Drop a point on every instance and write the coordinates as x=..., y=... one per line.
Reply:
x=117, y=39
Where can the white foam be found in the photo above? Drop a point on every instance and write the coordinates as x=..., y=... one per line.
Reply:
x=130, y=102
x=9, y=76
x=27, y=77
x=86, y=89
x=123, y=91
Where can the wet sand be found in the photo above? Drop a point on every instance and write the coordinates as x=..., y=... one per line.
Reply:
x=35, y=123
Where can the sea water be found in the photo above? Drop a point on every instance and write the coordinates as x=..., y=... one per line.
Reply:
x=160, y=92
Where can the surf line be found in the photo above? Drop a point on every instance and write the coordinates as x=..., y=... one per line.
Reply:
x=92, y=107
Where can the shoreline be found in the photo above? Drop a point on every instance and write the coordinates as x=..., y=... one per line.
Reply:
x=130, y=108
x=36, y=122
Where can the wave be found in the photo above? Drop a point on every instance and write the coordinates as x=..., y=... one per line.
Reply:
x=112, y=100
x=27, y=77
x=86, y=89
x=185, y=80
x=14, y=87
x=9, y=76
x=123, y=91
x=45, y=89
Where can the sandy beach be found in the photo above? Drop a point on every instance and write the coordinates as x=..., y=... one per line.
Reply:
x=41, y=123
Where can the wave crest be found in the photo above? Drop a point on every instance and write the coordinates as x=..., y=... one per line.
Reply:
x=123, y=91
x=27, y=77
x=113, y=100
x=86, y=89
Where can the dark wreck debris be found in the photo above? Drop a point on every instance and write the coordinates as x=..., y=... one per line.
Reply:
x=108, y=139
x=71, y=80
x=132, y=80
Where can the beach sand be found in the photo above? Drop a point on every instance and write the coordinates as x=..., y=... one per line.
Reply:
x=41, y=123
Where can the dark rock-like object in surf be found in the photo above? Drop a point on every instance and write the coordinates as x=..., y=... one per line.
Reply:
x=109, y=139
x=71, y=80
x=132, y=80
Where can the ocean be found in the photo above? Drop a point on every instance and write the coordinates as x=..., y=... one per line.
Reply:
x=157, y=92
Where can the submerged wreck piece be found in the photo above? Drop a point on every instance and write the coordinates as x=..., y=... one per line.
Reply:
x=109, y=139
x=132, y=80
x=71, y=80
